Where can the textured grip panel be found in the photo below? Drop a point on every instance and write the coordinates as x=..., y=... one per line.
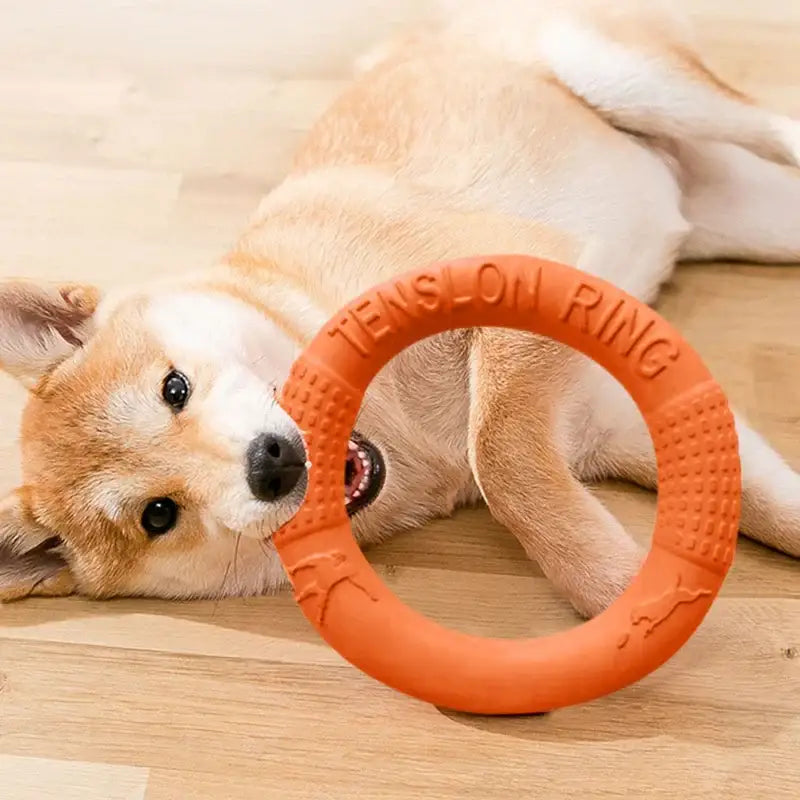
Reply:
x=699, y=477
x=324, y=408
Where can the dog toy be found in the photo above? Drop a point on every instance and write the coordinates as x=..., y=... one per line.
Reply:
x=699, y=488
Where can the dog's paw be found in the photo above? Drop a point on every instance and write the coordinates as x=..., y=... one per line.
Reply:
x=771, y=510
x=600, y=586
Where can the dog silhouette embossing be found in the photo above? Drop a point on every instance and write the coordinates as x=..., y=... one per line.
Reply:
x=654, y=612
x=329, y=570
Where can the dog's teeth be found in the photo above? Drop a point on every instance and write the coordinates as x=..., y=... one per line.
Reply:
x=356, y=494
x=362, y=455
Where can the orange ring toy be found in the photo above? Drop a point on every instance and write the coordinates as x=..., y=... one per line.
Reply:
x=699, y=489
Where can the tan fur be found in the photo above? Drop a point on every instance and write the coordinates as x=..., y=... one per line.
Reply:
x=478, y=138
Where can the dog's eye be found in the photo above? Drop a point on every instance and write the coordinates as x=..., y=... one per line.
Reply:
x=175, y=390
x=160, y=516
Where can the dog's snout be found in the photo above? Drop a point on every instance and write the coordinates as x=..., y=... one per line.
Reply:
x=274, y=466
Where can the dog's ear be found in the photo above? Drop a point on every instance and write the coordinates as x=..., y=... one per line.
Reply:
x=31, y=563
x=41, y=325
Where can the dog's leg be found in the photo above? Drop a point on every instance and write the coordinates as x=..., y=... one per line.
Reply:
x=610, y=440
x=525, y=478
x=657, y=87
x=739, y=205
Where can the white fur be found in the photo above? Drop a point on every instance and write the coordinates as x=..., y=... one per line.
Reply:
x=139, y=410
x=788, y=131
x=113, y=494
x=234, y=357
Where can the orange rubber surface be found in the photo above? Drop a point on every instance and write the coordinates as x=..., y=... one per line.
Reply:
x=698, y=494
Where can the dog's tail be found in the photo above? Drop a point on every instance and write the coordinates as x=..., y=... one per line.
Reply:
x=649, y=83
x=638, y=67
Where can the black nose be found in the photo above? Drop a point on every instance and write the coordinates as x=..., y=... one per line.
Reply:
x=274, y=466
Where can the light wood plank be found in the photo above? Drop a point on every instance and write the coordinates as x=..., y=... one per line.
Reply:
x=47, y=779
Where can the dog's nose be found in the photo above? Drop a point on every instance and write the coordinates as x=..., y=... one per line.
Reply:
x=274, y=466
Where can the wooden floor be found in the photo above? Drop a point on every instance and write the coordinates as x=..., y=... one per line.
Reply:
x=136, y=138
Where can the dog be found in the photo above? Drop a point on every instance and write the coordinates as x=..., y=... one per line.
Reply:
x=154, y=452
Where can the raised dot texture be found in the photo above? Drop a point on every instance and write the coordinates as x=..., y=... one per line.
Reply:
x=708, y=503
x=326, y=411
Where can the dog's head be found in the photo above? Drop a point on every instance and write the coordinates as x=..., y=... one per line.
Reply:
x=153, y=448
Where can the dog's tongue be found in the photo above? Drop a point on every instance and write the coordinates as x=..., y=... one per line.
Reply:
x=356, y=474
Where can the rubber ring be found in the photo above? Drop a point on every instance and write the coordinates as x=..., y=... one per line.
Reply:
x=699, y=488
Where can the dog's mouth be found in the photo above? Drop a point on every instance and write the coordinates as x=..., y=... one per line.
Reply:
x=364, y=472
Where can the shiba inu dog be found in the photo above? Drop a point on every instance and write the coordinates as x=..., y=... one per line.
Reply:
x=154, y=452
